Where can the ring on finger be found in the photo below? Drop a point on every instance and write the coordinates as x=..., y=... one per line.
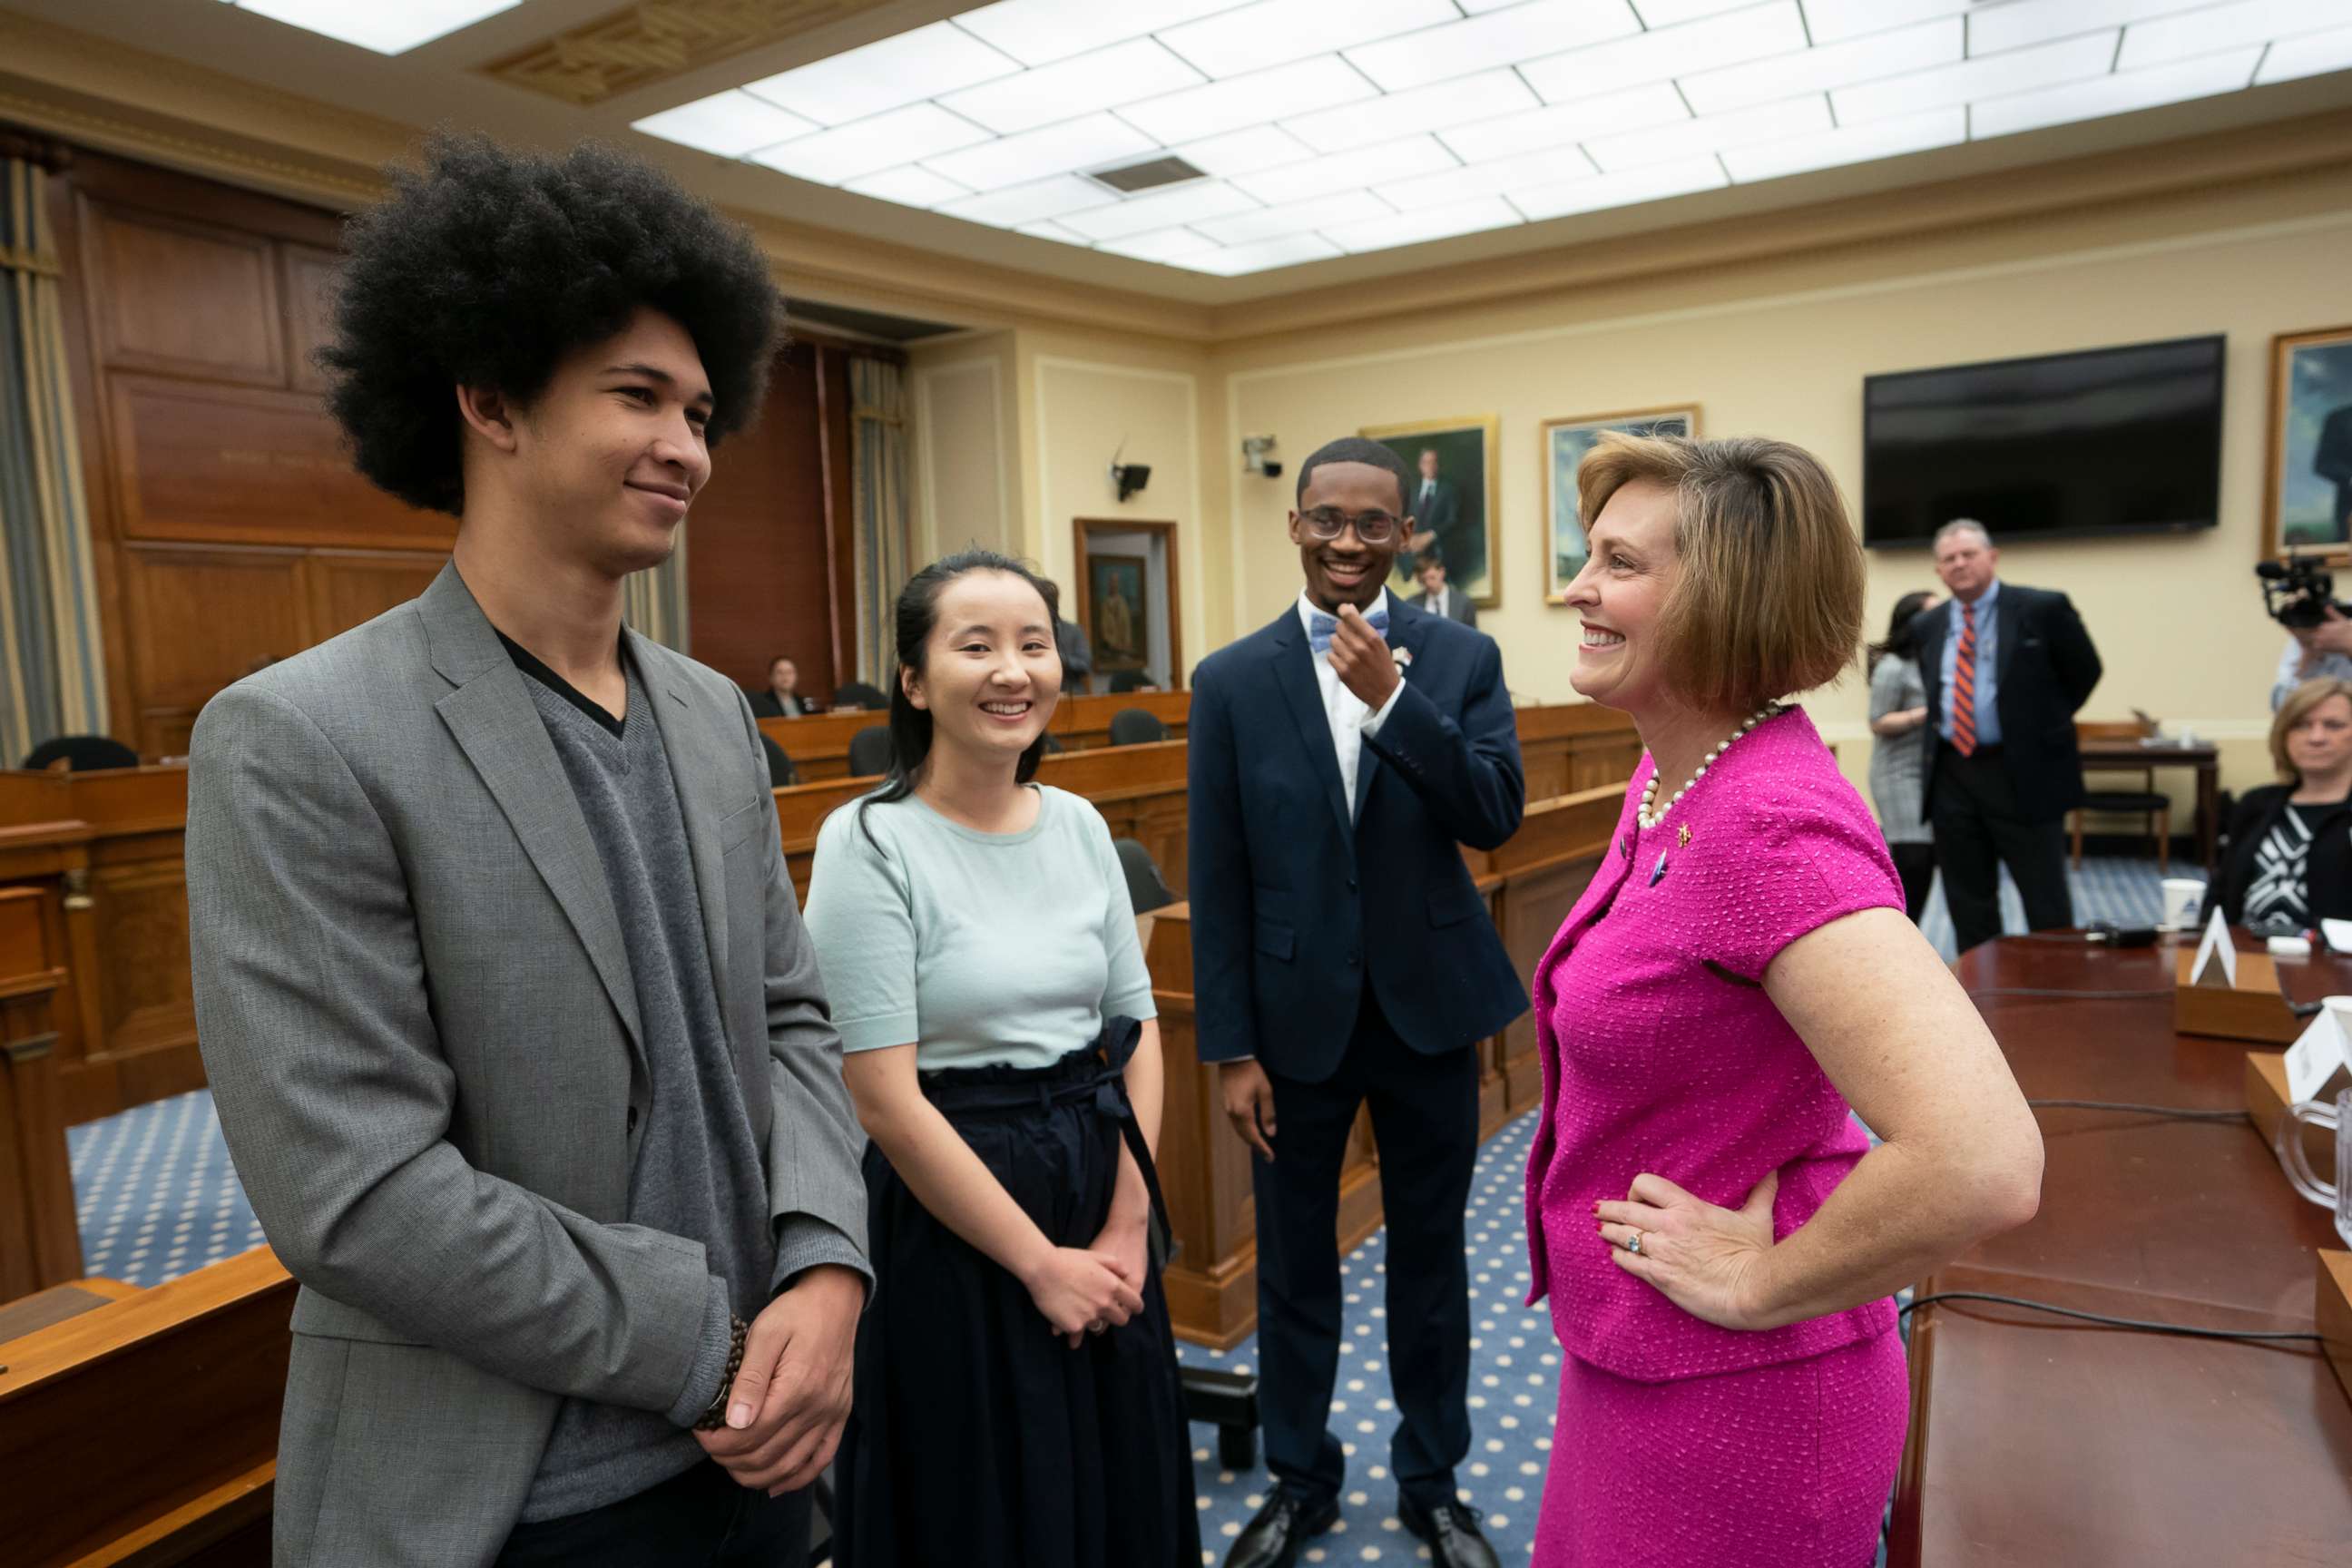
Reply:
x=1634, y=1243
x=1096, y=1327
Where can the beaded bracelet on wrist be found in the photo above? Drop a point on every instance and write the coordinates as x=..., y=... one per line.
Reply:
x=715, y=1416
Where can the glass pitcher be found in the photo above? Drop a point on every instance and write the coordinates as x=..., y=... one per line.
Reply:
x=2337, y=1118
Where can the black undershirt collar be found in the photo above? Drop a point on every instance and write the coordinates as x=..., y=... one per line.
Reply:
x=530, y=664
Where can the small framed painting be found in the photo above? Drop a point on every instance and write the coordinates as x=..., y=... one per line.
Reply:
x=1451, y=499
x=1565, y=443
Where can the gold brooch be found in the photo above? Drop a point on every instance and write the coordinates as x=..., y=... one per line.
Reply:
x=1682, y=836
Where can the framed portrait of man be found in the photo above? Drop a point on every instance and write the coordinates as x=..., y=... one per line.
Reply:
x=1451, y=500
x=1565, y=443
x=2308, y=484
x=1117, y=610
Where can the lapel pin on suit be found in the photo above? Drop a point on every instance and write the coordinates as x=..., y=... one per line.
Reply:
x=1403, y=657
x=1682, y=836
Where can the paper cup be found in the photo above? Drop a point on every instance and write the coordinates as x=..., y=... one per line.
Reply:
x=2182, y=895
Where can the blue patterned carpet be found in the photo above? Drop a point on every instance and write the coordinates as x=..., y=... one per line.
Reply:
x=157, y=1198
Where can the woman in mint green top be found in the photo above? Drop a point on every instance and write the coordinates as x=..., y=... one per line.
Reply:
x=1016, y=1398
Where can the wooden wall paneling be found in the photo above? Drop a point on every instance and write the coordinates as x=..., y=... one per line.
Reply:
x=306, y=279
x=182, y=297
x=199, y=617
x=756, y=542
x=237, y=465
x=347, y=588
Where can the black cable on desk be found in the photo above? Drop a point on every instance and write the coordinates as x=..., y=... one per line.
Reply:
x=2139, y=1325
x=2181, y=1112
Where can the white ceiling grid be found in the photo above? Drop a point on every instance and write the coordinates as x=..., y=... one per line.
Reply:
x=1329, y=127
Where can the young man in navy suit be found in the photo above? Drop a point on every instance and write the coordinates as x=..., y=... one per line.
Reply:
x=1341, y=956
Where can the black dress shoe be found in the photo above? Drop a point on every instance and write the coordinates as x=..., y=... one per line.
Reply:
x=1289, y=1518
x=1452, y=1532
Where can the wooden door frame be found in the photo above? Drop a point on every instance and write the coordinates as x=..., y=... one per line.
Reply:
x=1084, y=617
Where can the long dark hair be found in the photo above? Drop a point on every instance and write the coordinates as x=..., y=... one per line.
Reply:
x=917, y=615
x=1902, y=630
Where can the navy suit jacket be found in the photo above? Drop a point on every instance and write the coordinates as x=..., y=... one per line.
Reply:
x=1291, y=899
x=2046, y=666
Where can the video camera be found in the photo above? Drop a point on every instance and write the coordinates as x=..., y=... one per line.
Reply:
x=2298, y=590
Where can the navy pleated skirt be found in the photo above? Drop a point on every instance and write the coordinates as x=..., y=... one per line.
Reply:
x=977, y=1438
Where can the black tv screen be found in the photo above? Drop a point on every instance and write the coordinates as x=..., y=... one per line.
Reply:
x=2125, y=441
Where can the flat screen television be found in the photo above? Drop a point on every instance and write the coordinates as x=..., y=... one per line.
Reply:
x=2076, y=446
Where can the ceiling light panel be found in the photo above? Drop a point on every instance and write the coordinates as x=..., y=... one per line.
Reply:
x=1086, y=142
x=1755, y=34
x=2219, y=27
x=1876, y=57
x=1437, y=107
x=1316, y=128
x=386, y=29
x=1228, y=261
x=729, y=123
x=1472, y=217
x=1123, y=73
x=1656, y=182
x=1301, y=87
x=1273, y=222
x=2309, y=54
x=1995, y=76
x=2117, y=94
x=1711, y=133
x=1849, y=144
x=1162, y=209
x=885, y=75
x=1632, y=109
x=905, y=135
x=1274, y=32
x=1348, y=171
x=1039, y=32
x=1505, y=37
x=1832, y=21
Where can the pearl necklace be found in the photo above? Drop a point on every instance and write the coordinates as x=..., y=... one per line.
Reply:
x=1649, y=818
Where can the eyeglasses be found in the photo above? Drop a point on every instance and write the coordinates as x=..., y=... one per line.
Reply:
x=1330, y=522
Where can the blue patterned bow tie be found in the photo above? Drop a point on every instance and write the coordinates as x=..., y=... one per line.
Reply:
x=1319, y=627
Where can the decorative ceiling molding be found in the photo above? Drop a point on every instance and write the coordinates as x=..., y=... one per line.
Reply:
x=640, y=46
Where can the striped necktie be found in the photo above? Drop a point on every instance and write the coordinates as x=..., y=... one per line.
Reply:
x=1964, y=685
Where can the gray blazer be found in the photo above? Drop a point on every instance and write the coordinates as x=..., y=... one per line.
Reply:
x=418, y=1020
x=1458, y=606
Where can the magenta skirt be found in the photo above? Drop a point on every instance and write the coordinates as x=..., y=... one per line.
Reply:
x=1773, y=1467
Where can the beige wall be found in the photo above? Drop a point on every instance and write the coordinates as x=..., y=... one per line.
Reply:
x=966, y=438
x=1781, y=350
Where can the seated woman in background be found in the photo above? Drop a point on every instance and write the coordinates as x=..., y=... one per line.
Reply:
x=1717, y=1236
x=1899, y=757
x=1016, y=1402
x=2289, y=863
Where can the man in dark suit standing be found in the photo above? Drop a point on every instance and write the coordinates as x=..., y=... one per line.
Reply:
x=1433, y=505
x=2007, y=667
x=1341, y=956
x=1446, y=603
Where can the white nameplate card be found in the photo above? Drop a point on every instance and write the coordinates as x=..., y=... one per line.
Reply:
x=2216, y=945
x=2321, y=1054
x=2338, y=934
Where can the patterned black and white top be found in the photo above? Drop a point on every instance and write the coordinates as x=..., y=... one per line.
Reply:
x=2278, y=900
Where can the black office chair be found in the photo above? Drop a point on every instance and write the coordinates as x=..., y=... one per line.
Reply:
x=1136, y=727
x=1053, y=746
x=869, y=752
x=781, y=774
x=1147, y=890
x=82, y=753
x=1125, y=680
x=857, y=693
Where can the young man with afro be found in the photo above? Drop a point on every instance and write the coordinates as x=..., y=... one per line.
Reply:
x=514, y=1031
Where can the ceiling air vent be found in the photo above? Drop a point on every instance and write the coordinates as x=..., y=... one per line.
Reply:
x=1150, y=175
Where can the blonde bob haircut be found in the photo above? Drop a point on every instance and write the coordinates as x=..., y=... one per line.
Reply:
x=1767, y=599
x=2299, y=706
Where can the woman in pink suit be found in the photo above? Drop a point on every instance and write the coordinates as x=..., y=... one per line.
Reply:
x=1718, y=1236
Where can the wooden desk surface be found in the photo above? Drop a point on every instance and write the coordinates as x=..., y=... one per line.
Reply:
x=2034, y=1440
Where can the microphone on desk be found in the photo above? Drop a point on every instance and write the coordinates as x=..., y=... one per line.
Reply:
x=2107, y=933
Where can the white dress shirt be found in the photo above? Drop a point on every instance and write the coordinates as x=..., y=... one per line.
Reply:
x=1436, y=605
x=1350, y=718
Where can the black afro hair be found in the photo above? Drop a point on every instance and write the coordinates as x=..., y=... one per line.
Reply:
x=486, y=266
